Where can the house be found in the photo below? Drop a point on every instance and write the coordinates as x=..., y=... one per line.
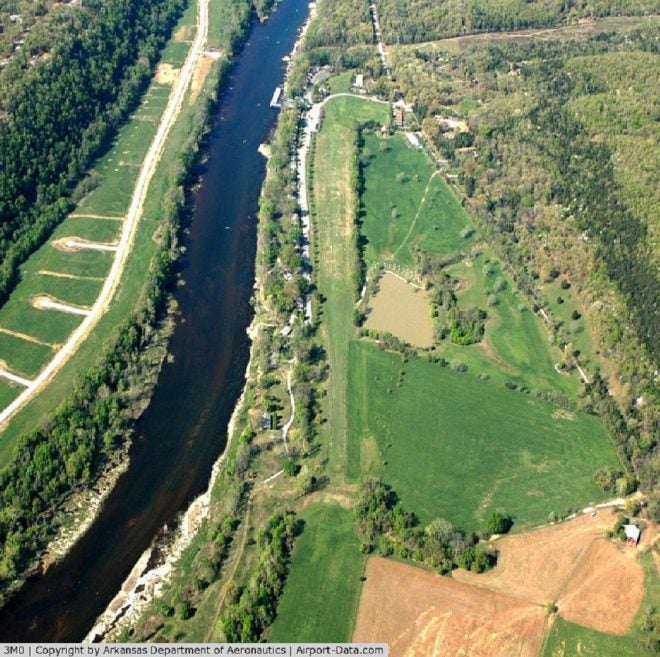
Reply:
x=398, y=117
x=266, y=421
x=359, y=80
x=632, y=534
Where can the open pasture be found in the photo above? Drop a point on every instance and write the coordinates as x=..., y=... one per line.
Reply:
x=404, y=204
x=456, y=447
x=515, y=346
x=50, y=326
x=23, y=357
x=402, y=310
x=323, y=587
x=120, y=166
x=8, y=393
x=85, y=263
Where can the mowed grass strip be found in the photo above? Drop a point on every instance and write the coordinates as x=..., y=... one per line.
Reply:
x=404, y=206
x=323, y=587
x=23, y=357
x=51, y=326
x=119, y=168
x=456, y=447
x=333, y=238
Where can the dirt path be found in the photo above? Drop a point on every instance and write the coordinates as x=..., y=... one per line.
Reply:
x=48, y=303
x=419, y=209
x=129, y=225
x=27, y=338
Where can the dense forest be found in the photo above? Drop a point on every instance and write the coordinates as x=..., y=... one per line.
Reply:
x=556, y=164
x=424, y=20
x=87, y=68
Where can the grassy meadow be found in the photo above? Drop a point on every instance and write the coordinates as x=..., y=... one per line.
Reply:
x=404, y=205
x=454, y=446
x=323, y=586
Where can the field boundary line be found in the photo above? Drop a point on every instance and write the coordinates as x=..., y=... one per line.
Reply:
x=129, y=229
x=60, y=274
x=27, y=338
x=104, y=217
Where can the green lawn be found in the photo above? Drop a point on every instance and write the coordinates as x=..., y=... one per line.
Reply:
x=456, y=447
x=570, y=640
x=403, y=207
x=23, y=357
x=94, y=230
x=322, y=590
x=8, y=393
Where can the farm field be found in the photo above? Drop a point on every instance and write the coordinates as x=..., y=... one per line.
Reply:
x=405, y=204
x=403, y=310
x=454, y=446
x=323, y=586
x=503, y=612
x=420, y=613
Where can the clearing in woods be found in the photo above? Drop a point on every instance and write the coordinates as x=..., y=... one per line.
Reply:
x=324, y=579
x=99, y=217
x=503, y=612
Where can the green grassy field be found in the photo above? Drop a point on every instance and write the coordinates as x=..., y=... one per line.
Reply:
x=94, y=230
x=23, y=357
x=515, y=347
x=456, y=447
x=322, y=590
x=8, y=393
x=404, y=207
x=333, y=245
x=397, y=181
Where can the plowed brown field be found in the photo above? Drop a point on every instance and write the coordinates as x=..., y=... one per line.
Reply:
x=593, y=582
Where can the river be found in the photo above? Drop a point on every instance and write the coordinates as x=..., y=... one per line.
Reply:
x=184, y=429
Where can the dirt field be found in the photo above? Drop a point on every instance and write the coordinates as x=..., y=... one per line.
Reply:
x=166, y=74
x=594, y=582
x=402, y=310
x=431, y=615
